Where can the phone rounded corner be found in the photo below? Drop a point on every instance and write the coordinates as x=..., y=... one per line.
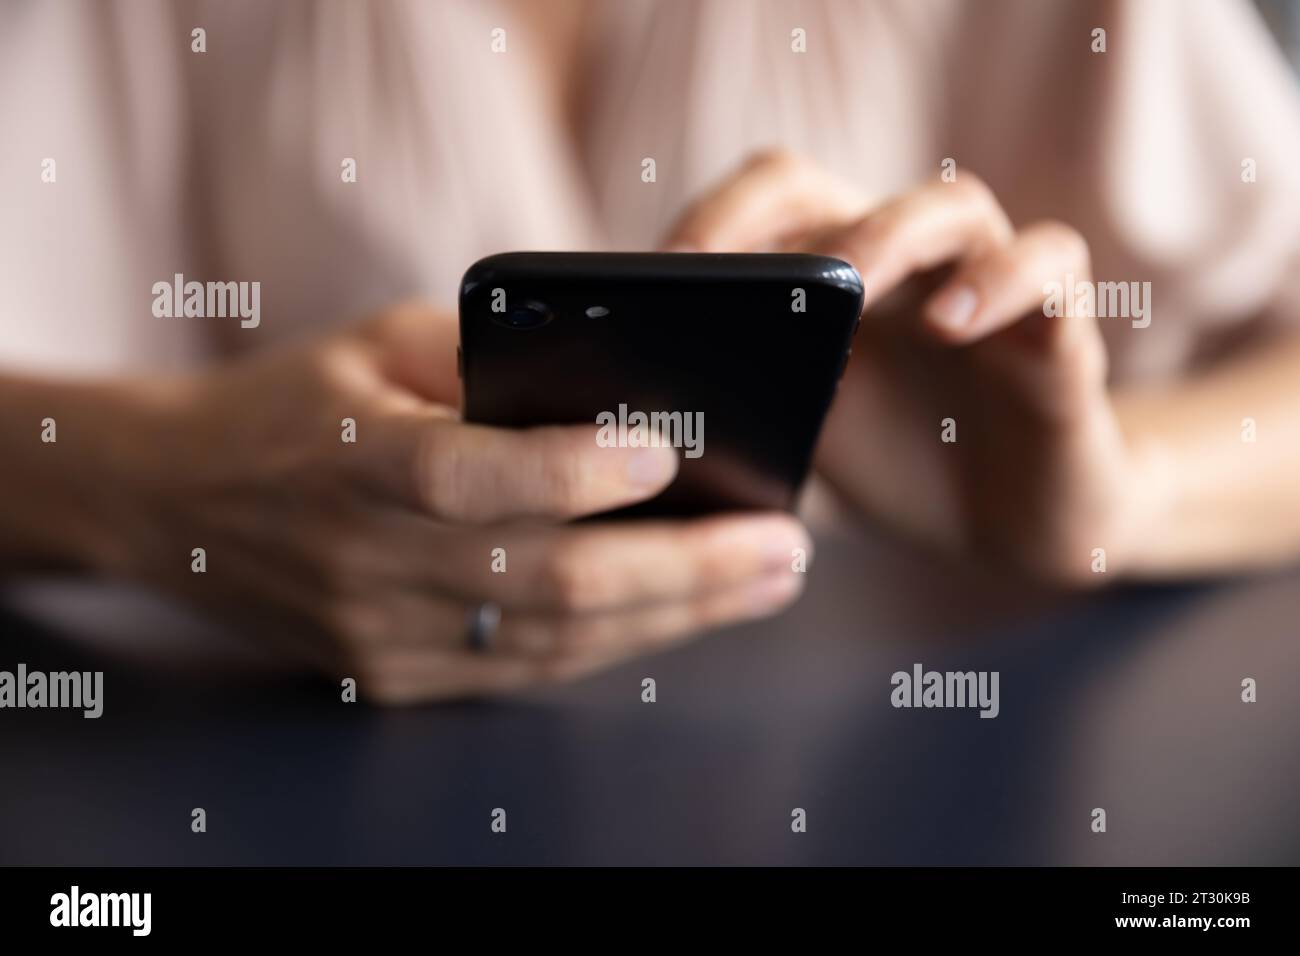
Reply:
x=481, y=271
x=843, y=274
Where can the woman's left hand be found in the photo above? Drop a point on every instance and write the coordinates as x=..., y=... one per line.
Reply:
x=968, y=418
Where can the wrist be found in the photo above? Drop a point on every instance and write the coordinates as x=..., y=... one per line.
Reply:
x=138, y=455
x=1149, y=505
x=77, y=484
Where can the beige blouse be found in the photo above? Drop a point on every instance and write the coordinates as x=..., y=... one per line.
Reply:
x=228, y=164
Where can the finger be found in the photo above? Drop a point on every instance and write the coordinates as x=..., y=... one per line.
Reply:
x=579, y=569
x=423, y=617
x=1055, y=364
x=994, y=290
x=416, y=346
x=610, y=635
x=531, y=650
x=775, y=194
x=572, y=571
x=473, y=473
x=926, y=228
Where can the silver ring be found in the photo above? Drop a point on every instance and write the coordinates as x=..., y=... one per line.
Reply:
x=481, y=627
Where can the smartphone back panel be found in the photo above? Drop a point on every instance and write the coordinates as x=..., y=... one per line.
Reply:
x=750, y=347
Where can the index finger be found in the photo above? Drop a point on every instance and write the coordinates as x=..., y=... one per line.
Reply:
x=932, y=225
x=773, y=196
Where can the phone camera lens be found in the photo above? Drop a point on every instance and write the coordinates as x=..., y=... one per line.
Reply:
x=529, y=315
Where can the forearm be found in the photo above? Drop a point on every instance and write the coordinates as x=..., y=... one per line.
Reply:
x=69, y=450
x=1219, y=463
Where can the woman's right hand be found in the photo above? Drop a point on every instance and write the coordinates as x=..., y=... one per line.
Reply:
x=368, y=556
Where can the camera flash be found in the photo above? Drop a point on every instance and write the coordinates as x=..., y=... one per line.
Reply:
x=597, y=312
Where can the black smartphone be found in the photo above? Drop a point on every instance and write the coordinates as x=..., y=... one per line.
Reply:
x=733, y=359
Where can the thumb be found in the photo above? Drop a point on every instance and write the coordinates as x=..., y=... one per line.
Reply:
x=479, y=474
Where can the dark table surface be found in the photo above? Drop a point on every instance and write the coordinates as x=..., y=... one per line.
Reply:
x=1128, y=699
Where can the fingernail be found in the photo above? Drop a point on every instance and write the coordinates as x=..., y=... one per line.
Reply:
x=954, y=308
x=782, y=552
x=771, y=592
x=651, y=467
x=680, y=247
